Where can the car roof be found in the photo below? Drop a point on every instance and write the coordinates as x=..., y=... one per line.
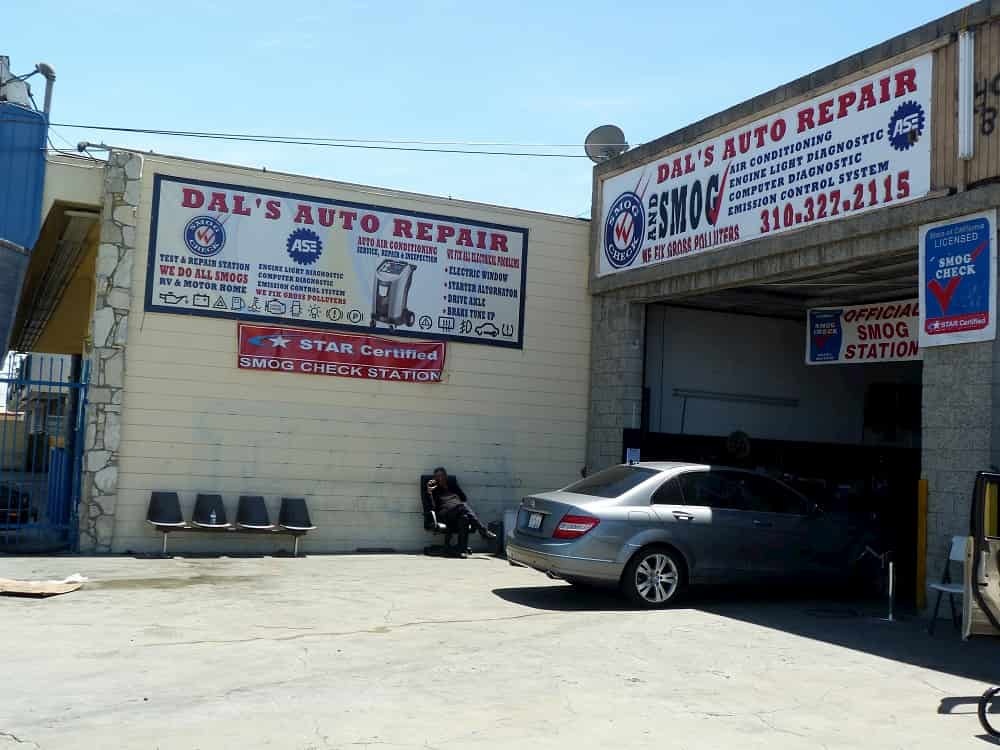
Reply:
x=668, y=465
x=672, y=465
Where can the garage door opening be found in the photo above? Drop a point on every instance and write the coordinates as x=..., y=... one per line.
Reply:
x=726, y=383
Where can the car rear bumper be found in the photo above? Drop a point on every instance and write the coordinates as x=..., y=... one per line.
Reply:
x=562, y=565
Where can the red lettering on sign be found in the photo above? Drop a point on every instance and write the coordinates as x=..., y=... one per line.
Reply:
x=192, y=198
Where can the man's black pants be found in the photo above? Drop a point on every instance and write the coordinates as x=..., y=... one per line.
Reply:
x=463, y=514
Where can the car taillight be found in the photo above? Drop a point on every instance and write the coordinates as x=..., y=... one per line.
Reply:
x=571, y=527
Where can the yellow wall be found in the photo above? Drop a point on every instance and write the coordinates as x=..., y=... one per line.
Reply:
x=508, y=422
x=66, y=329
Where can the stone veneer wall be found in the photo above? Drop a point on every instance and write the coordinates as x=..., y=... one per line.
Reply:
x=106, y=349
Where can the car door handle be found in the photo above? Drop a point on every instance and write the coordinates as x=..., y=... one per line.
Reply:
x=682, y=516
x=762, y=524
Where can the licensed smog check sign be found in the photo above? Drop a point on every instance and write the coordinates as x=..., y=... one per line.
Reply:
x=879, y=332
x=299, y=350
x=236, y=251
x=859, y=148
x=958, y=280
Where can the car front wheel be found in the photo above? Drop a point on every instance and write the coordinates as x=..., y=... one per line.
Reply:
x=654, y=578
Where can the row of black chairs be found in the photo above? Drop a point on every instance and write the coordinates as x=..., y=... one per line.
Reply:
x=210, y=515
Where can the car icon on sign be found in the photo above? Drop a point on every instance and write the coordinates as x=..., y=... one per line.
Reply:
x=487, y=329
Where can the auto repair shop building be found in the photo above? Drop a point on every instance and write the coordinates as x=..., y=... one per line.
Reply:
x=758, y=296
x=257, y=333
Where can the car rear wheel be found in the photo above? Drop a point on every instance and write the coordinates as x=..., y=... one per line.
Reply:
x=654, y=577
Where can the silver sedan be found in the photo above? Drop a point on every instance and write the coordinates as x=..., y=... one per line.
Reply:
x=654, y=528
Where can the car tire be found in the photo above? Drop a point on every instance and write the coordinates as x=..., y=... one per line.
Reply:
x=991, y=695
x=654, y=578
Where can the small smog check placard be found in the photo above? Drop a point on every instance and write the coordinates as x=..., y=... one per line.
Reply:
x=958, y=276
x=241, y=251
x=879, y=332
x=284, y=349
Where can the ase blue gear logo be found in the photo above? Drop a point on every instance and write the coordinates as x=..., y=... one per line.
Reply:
x=906, y=125
x=204, y=236
x=623, y=230
x=304, y=246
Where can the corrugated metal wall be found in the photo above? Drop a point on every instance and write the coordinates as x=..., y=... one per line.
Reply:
x=986, y=162
x=946, y=168
x=22, y=177
x=22, y=173
x=944, y=118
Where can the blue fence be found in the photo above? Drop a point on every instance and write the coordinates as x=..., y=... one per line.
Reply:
x=41, y=452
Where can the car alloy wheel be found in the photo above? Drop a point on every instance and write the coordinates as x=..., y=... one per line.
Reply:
x=654, y=578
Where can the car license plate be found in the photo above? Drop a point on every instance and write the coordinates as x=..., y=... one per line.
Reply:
x=535, y=521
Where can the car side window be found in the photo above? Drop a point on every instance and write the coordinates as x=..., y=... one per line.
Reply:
x=765, y=495
x=711, y=489
x=669, y=493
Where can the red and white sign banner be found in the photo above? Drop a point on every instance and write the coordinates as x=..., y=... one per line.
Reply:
x=284, y=349
x=879, y=332
x=861, y=147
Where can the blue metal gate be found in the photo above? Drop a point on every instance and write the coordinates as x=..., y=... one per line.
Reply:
x=43, y=409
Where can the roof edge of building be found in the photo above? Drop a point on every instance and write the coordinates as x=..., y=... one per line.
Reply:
x=970, y=15
x=372, y=189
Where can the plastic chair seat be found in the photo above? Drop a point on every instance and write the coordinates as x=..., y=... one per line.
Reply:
x=204, y=506
x=948, y=588
x=251, y=513
x=165, y=511
x=294, y=515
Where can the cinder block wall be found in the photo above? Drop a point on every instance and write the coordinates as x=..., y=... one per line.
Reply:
x=958, y=433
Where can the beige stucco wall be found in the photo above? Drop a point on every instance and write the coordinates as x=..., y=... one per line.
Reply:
x=508, y=422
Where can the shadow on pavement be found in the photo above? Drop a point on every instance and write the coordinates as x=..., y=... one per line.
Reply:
x=561, y=597
x=831, y=618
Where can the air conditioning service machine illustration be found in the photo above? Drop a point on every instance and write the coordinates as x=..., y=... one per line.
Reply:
x=391, y=294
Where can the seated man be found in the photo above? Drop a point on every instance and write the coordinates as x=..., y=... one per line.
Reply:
x=451, y=505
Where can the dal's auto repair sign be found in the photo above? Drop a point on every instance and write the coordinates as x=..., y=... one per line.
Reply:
x=236, y=251
x=284, y=349
x=861, y=147
x=958, y=274
x=879, y=332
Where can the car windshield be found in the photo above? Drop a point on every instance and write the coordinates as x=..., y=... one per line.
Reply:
x=612, y=482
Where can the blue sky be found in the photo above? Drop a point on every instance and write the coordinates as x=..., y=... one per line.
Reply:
x=466, y=71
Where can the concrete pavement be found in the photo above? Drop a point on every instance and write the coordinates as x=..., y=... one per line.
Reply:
x=414, y=652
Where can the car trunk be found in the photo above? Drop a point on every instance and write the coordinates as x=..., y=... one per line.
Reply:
x=550, y=507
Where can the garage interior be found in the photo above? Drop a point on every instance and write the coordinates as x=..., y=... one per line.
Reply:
x=726, y=383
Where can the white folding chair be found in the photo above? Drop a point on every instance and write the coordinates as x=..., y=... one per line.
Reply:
x=957, y=554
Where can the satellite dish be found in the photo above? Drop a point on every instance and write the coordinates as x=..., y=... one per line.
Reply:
x=605, y=142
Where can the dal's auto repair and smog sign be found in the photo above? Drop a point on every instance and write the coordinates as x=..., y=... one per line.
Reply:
x=858, y=148
x=879, y=332
x=285, y=349
x=958, y=274
x=237, y=251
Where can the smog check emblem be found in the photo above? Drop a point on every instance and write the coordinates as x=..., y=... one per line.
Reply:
x=204, y=236
x=623, y=230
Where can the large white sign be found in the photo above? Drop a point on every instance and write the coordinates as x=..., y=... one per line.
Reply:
x=879, y=332
x=859, y=148
x=236, y=251
x=958, y=280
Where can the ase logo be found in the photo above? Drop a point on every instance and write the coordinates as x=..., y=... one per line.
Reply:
x=204, y=236
x=304, y=246
x=906, y=125
x=623, y=230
